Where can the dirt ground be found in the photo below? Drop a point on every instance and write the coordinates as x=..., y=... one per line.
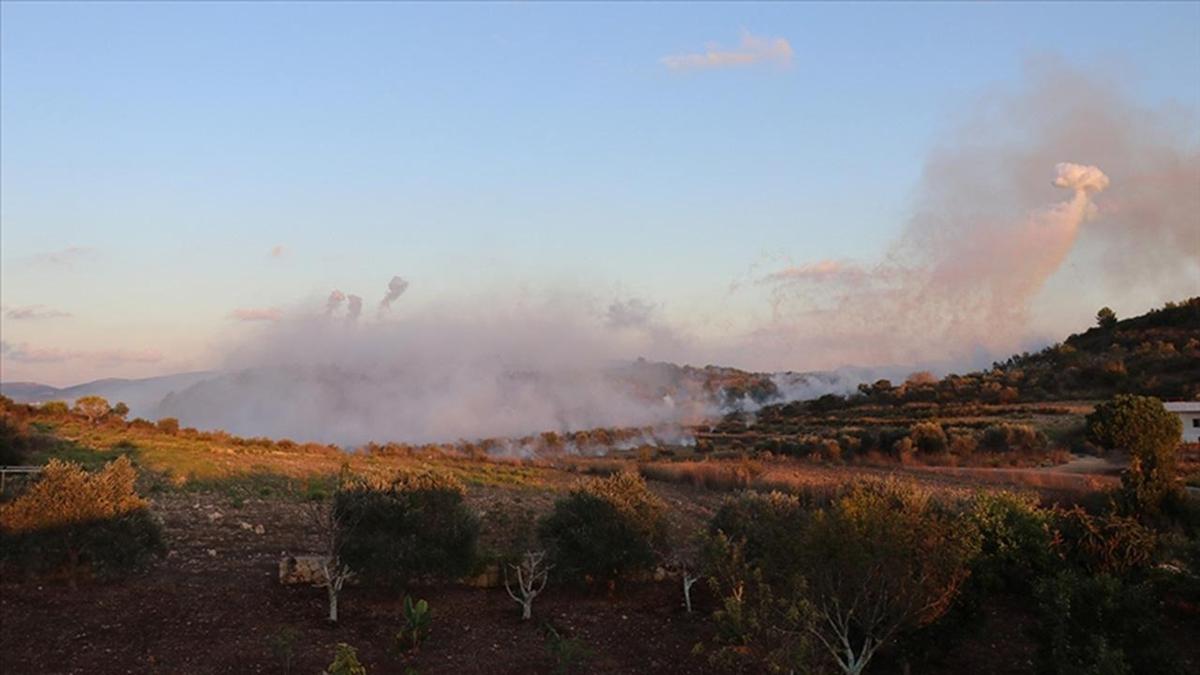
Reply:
x=214, y=603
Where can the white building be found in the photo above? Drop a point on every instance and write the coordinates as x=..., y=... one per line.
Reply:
x=1189, y=413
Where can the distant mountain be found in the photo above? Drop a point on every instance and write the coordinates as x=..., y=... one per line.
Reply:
x=141, y=395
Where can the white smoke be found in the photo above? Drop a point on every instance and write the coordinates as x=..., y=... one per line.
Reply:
x=354, y=306
x=336, y=298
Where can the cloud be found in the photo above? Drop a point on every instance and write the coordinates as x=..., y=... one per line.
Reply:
x=751, y=50
x=278, y=251
x=823, y=271
x=65, y=257
x=256, y=314
x=23, y=353
x=34, y=312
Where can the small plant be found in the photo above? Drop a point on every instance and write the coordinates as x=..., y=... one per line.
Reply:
x=345, y=662
x=417, y=617
x=532, y=574
x=568, y=653
x=283, y=646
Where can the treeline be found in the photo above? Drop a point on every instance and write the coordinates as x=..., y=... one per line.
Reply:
x=1156, y=354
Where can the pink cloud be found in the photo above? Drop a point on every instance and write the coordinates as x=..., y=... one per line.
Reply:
x=32, y=312
x=751, y=50
x=278, y=250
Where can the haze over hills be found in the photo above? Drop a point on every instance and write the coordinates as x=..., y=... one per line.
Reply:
x=335, y=402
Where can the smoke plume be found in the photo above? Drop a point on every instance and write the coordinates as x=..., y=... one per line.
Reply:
x=336, y=298
x=354, y=305
x=396, y=288
x=987, y=236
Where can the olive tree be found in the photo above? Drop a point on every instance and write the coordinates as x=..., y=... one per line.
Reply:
x=92, y=408
x=883, y=559
x=1151, y=434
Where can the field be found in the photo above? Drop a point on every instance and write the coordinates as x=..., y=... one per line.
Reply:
x=232, y=508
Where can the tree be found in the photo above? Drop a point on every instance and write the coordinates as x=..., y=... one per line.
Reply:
x=1151, y=434
x=92, y=408
x=883, y=559
x=532, y=574
x=1106, y=318
x=332, y=528
x=604, y=528
x=120, y=410
x=413, y=524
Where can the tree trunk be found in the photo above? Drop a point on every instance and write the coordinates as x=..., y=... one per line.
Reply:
x=333, y=604
x=526, y=610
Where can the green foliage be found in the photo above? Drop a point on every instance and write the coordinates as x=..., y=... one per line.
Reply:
x=604, y=529
x=54, y=408
x=168, y=425
x=417, y=620
x=1106, y=318
x=1151, y=435
x=70, y=518
x=765, y=526
x=1006, y=437
x=1096, y=624
x=14, y=440
x=884, y=559
x=283, y=646
x=1016, y=541
x=91, y=408
x=120, y=410
x=1109, y=543
x=415, y=524
x=929, y=438
x=568, y=653
x=759, y=624
x=345, y=661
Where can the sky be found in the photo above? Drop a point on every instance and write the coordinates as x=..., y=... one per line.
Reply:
x=174, y=175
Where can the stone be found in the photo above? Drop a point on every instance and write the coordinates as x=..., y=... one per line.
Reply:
x=302, y=569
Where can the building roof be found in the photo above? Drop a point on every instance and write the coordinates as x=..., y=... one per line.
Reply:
x=1183, y=406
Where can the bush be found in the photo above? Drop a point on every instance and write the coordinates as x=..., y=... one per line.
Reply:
x=1151, y=435
x=70, y=518
x=882, y=560
x=759, y=623
x=412, y=525
x=345, y=661
x=1016, y=541
x=168, y=425
x=1012, y=437
x=1095, y=624
x=1105, y=544
x=929, y=438
x=604, y=529
x=14, y=441
x=765, y=525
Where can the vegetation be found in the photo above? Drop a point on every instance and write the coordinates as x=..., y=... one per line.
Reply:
x=604, y=529
x=70, y=518
x=417, y=620
x=345, y=661
x=411, y=524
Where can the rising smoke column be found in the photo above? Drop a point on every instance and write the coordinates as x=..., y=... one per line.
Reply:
x=395, y=289
x=354, y=305
x=336, y=298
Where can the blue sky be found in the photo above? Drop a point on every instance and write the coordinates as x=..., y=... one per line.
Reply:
x=153, y=154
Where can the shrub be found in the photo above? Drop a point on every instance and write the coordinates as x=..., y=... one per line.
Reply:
x=884, y=559
x=414, y=524
x=1095, y=624
x=1105, y=544
x=345, y=661
x=417, y=618
x=765, y=525
x=759, y=623
x=1016, y=541
x=604, y=529
x=54, y=408
x=168, y=425
x=70, y=517
x=1012, y=437
x=92, y=408
x=1140, y=425
x=929, y=438
x=14, y=441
